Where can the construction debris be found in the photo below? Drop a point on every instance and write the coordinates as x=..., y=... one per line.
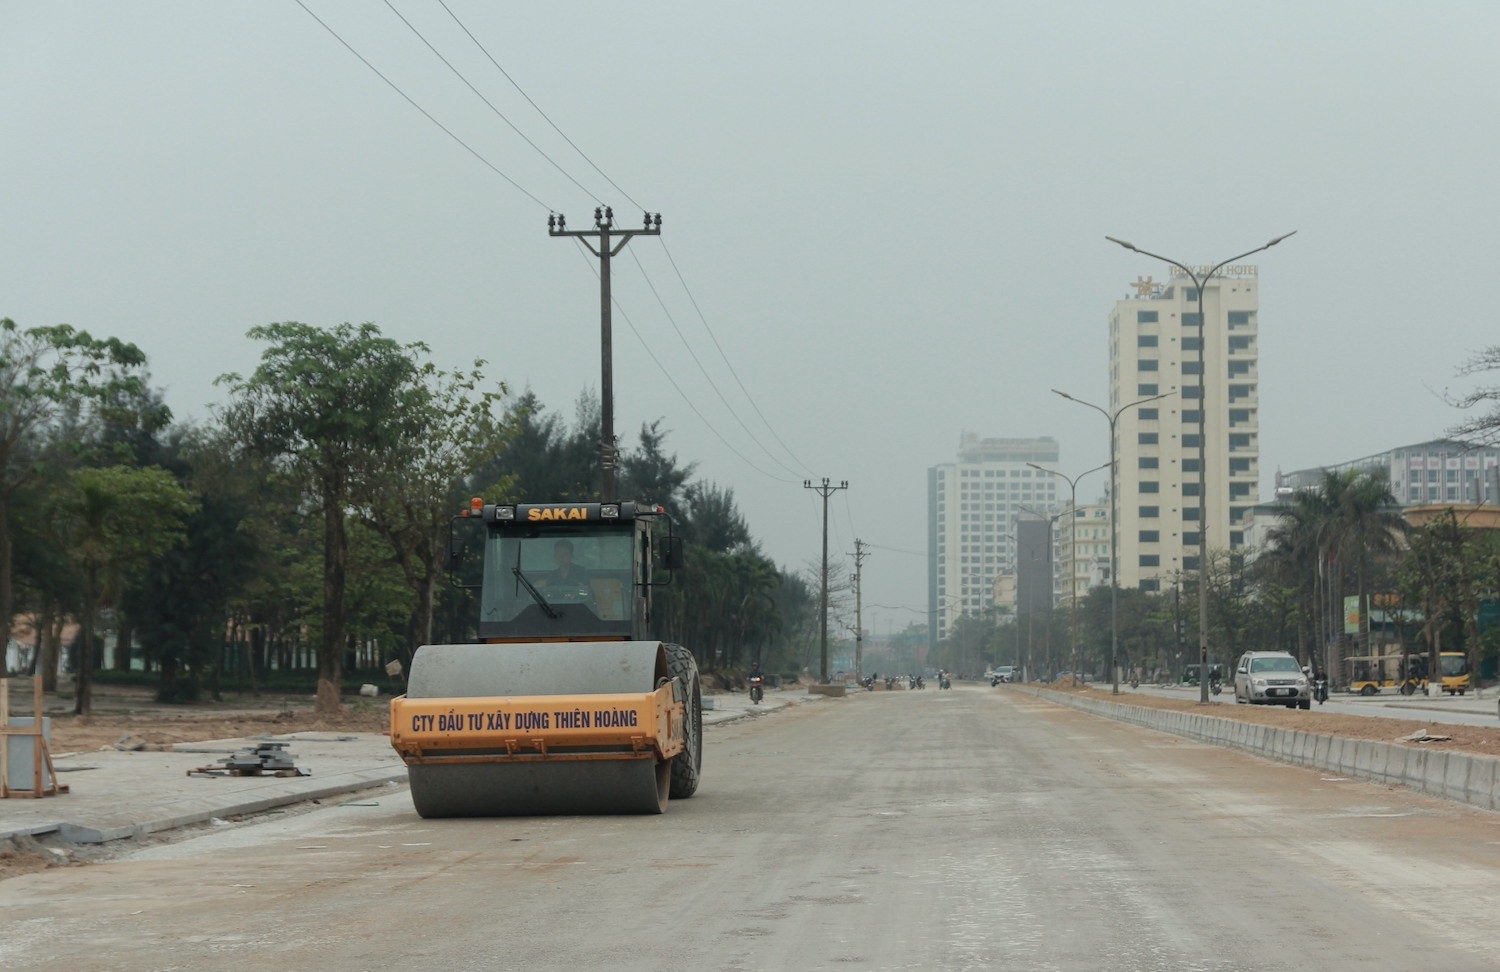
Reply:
x=1423, y=736
x=262, y=759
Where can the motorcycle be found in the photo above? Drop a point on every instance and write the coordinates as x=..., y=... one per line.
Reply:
x=1135, y=681
x=1320, y=690
x=757, y=691
x=1214, y=685
x=944, y=682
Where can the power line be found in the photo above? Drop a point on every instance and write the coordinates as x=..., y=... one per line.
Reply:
x=704, y=371
x=446, y=131
x=748, y=397
x=498, y=113
x=913, y=553
x=668, y=375
x=538, y=108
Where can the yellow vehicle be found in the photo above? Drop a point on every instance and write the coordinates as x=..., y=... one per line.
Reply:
x=1406, y=673
x=565, y=705
x=1454, y=666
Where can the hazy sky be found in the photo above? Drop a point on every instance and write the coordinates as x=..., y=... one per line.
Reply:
x=891, y=215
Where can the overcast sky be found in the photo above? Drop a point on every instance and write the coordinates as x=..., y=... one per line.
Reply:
x=891, y=215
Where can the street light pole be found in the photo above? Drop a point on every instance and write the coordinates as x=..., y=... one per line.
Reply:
x=1073, y=553
x=1114, y=530
x=1202, y=444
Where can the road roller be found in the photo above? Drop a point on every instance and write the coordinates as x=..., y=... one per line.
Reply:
x=565, y=705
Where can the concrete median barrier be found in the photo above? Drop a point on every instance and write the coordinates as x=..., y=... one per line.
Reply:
x=1467, y=778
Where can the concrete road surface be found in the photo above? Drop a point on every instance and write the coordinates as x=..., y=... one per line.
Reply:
x=969, y=829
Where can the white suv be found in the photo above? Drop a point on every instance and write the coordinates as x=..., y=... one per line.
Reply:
x=1005, y=673
x=1271, y=678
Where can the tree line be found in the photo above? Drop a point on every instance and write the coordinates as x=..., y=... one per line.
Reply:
x=301, y=534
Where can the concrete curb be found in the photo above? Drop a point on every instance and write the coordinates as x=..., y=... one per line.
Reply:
x=205, y=808
x=1461, y=777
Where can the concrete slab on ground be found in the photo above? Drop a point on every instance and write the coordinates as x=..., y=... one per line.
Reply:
x=114, y=794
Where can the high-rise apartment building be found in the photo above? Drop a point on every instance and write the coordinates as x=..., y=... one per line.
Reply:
x=1154, y=350
x=1082, y=556
x=972, y=506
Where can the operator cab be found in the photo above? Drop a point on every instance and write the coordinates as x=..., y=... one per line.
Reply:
x=573, y=571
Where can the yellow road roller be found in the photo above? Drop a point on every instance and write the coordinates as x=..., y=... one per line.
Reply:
x=564, y=706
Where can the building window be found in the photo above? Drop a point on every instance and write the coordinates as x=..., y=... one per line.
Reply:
x=1239, y=491
x=1192, y=319
x=1189, y=293
x=1236, y=538
x=1145, y=389
x=1145, y=340
x=1239, y=368
x=1146, y=364
x=1190, y=465
x=1150, y=560
x=1189, y=489
x=1145, y=317
x=1149, y=512
x=1191, y=538
x=1192, y=391
x=1190, y=441
x=1239, y=318
x=1148, y=462
x=1192, y=367
x=1189, y=563
x=1239, y=343
x=1145, y=438
x=1150, y=486
x=1239, y=441
x=1190, y=513
x=1238, y=465
x=1149, y=415
x=1150, y=536
x=1192, y=343
x=1150, y=585
x=1191, y=416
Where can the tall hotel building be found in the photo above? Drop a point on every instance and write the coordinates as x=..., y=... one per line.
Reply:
x=972, y=510
x=1153, y=349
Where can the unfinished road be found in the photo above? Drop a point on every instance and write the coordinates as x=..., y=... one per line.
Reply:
x=971, y=829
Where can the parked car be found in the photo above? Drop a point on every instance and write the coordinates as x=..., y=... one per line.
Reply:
x=1271, y=678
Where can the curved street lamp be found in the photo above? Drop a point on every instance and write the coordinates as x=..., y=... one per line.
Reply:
x=1202, y=445
x=1072, y=554
x=1114, y=530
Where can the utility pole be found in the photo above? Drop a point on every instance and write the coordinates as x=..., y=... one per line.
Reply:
x=860, y=553
x=824, y=489
x=604, y=229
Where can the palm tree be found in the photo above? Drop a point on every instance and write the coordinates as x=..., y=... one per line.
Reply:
x=1369, y=524
x=1348, y=516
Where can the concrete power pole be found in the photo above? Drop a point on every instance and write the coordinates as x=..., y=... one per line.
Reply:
x=604, y=230
x=860, y=553
x=824, y=489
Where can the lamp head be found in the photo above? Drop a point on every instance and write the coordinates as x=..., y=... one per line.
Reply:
x=1128, y=246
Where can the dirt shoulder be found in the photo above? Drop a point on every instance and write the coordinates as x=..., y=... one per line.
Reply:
x=132, y=715
x=1468, y=739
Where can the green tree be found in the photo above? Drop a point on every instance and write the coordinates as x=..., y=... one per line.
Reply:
x=332, y=407
x=45, y=374
x=412, y=503
x=116, y=519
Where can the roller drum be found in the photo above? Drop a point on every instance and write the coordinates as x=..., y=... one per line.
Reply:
x=538, y=787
